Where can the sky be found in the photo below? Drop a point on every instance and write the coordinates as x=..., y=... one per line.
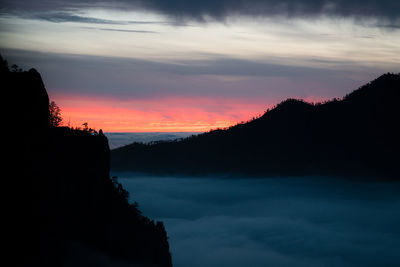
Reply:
x=176, y=66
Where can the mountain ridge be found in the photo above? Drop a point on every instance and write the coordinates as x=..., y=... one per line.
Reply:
x=340, y=136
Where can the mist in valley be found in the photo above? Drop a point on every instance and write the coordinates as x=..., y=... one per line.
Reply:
x=281, y=221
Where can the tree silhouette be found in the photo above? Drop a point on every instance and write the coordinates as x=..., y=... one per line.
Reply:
x=55, y=114
x=15, y=68
x=3, y=65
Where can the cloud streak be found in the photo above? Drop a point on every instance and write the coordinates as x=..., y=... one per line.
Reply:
x=60, y=17
x=128, y=31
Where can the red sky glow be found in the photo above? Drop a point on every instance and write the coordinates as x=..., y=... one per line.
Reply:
x=155, y=115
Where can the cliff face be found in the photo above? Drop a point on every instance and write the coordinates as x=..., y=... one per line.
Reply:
x=91, y=209
x=68, y=210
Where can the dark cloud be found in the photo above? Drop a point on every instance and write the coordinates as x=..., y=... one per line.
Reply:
x=390, y=26
x=278, y=222
x=129, y=31
x=59, y=17
x=124, y=78
x=288, y=8
x=66, y=17
x=200, y=9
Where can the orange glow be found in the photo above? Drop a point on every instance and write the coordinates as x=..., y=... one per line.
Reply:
x=162, y=115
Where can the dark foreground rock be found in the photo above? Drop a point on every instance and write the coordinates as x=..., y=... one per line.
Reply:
x=64, y=208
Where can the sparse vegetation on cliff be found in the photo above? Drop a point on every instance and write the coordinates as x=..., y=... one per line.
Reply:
x=71, y=212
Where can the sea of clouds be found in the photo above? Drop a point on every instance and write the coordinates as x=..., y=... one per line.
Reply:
x=316, y=221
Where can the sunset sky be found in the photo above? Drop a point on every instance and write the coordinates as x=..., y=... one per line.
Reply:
x=174, y=65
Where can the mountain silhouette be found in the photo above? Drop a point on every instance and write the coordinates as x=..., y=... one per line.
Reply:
x=357, y=135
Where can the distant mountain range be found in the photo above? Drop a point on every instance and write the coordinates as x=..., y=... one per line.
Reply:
x=116, y=139
x=357, y=135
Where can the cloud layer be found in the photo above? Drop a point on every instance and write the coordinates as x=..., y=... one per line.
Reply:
x=200, y=9
x=216, y=78
x=224, y=8
x=274, y=222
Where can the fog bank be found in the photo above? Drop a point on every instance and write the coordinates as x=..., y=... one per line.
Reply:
x=274, y=222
